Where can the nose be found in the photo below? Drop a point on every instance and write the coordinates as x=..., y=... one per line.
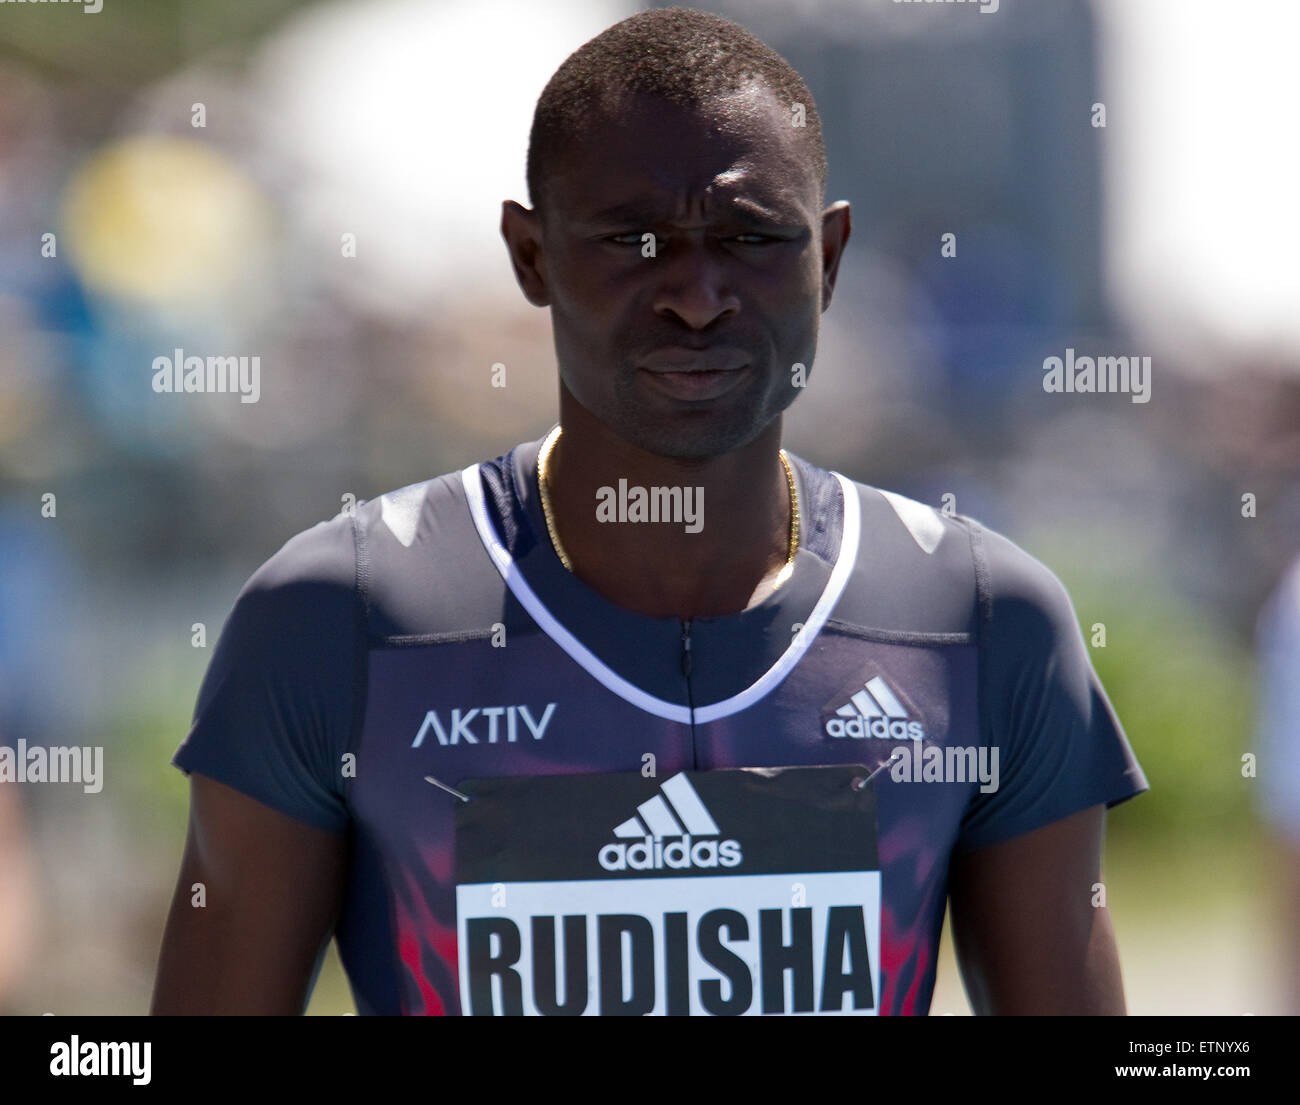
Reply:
x=693, y=284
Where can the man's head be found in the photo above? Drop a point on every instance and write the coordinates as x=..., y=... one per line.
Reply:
x=681, y=126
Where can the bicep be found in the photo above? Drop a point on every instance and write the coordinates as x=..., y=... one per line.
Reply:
x=254, y=907
x=1028, y=938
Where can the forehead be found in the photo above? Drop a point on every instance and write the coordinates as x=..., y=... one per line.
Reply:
x=646, y=154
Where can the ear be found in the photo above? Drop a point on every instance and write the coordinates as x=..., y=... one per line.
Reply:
x=837, y=225
x=521, y=227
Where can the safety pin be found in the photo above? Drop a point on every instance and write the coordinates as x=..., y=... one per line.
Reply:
x=858, y=784
x=444, y=786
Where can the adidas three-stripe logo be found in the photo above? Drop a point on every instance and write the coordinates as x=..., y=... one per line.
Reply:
x=657, y=819
x=874, y=711
x=676, y=812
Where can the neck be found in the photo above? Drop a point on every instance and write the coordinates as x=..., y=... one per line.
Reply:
x=740, y=512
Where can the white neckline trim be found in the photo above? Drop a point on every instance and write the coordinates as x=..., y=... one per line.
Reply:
x=846, y=557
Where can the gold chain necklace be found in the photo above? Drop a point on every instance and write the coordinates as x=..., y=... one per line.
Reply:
x=543, y=485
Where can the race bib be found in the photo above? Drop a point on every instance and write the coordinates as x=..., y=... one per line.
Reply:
x=746, y=891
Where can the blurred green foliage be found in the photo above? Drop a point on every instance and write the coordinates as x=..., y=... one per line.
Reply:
x=148, y=722
x=1183, y=686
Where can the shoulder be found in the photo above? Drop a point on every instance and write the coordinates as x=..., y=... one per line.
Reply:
x=410, y=516
x=337, y=555
x=1006, y=576
x=1025, y=600
x=910, y=531
x=914, y=566
x=311, y=576
x=928, y=569
x=323, y=556
x=299, y=605
x=422, y=568
x=407, y=562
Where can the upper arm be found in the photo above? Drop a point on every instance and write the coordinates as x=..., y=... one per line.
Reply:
x=265, y=856
x=1042, y=707
x=254, y=908
x=1028, y=937
x=1025, y=866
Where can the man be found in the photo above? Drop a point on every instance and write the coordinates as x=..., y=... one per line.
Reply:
x=386, y=678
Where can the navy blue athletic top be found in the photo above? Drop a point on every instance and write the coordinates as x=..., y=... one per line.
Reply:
x=434, y=632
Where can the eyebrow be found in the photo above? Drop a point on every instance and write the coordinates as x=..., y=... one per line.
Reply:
x=641, y=213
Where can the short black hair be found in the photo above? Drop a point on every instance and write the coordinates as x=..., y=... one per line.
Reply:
x=686, y=56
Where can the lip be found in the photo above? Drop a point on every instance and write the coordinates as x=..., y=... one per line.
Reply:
x=696, y=383
x=682, y=358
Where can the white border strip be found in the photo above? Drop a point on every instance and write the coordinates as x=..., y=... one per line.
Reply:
x=528, y=599
x=472, y=481
x=845, y=559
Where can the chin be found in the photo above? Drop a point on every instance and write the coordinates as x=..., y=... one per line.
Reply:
x=682, y=440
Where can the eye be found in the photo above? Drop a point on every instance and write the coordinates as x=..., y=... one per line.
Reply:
x=637, y=237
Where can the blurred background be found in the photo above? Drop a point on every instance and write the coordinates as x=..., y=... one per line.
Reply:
x=319, y=185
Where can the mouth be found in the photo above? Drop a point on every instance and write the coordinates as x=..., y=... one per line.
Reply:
x=688, y=373
x=694, y=382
